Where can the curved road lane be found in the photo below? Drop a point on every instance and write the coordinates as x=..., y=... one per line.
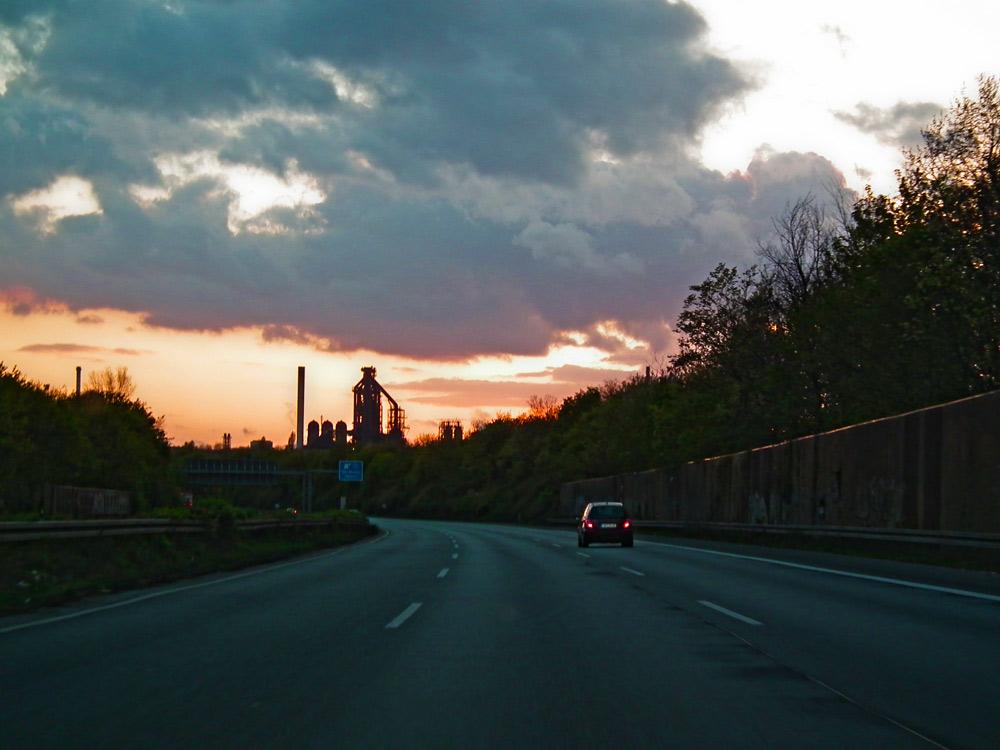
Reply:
x=455, y=635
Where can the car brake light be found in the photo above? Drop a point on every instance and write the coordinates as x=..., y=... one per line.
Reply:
x=590, y=524
x=626, y=524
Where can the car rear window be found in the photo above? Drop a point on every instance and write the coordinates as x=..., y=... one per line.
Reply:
x=607, y=511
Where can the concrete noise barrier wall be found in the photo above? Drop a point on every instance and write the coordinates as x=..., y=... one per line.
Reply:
x=936, y=469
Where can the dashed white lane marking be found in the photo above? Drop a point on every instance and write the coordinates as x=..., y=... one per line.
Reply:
x=633, y=572
x=443, y=573
x=730, y=613
x=404, y=616
x=455, y=556
x=583, y=554
x=557, y=546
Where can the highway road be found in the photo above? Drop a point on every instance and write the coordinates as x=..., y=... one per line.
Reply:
x=443, y=635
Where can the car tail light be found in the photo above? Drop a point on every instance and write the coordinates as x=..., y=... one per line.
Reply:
x=626, y=524
x=590, y=524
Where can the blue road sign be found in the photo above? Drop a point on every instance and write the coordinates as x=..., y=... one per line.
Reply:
x=352, y=471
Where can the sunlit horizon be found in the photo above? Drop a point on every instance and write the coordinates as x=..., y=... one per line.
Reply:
x=249, y=389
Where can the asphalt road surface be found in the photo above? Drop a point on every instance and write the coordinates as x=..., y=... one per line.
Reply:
x=439, y=635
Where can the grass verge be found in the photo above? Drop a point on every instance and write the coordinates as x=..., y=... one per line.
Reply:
x=46, y=572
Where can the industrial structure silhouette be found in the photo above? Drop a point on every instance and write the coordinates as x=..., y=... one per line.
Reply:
x=369, y=425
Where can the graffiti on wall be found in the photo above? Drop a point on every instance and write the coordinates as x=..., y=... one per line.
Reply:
x=879, y=503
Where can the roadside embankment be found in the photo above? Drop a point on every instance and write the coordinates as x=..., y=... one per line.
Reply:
x=42, y=572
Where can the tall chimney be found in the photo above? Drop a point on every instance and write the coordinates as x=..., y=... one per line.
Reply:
x=301, y=413
x=78, y=370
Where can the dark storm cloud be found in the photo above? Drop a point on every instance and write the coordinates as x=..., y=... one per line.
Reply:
x=462, y=209
x=900, y=125
x=510, y=88
x=41, y=139
x=179, y=58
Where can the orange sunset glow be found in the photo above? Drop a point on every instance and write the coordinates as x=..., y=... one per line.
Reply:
x=207, y=384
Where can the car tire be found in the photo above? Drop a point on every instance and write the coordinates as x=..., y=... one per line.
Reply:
x=628, y=543
x=583, y=542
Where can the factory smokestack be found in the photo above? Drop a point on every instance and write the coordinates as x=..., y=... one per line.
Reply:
x=78, y=370
x=301, y=413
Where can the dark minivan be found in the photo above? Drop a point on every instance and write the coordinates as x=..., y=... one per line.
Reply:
x=604, y=522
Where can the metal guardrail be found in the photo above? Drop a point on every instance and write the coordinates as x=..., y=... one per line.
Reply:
x=35, y=530
x=917, y=536
x=300, y=522
x=24, y=531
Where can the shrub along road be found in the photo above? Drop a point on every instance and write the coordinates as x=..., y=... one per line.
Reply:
x=47, y=572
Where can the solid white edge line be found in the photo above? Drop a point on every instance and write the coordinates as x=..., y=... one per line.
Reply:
x=845, y=573
x=633, y=572
x=403, y=616
x=188, y=587
x=730, y=613
x=443, y=573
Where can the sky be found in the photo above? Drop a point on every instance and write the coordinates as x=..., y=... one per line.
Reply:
x=485, y=201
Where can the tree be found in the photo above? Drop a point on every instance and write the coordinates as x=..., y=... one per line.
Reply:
x=802, y=260
x=723, y=319
x=799, y=257
x=95, y=440
x=950, y=201
x=116, y=384
x=953, y=180
x=125, y=448
x=543, y=407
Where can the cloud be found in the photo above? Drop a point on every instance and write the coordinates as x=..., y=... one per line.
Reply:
x=900, y=125
x=293, y=335
x=464, y=393
x=838, y=34
x=67, y=348
x=440, y=180
x=30, y=37
x=513, y=394
x=67, y=196
x=569, y=246
x=21, y=300
x=255, y=196
x=61, y=349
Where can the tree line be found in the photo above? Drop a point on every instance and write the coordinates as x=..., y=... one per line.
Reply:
x=101, y=438
x=853, y=311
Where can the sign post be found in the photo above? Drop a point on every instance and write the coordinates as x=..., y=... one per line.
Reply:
x=352, y=471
